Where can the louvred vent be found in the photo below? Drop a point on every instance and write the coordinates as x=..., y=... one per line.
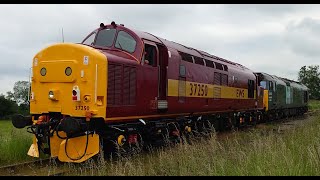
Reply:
x=121, y=85
x=129, y=86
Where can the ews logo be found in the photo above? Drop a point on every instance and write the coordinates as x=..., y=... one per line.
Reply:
x=240, y=93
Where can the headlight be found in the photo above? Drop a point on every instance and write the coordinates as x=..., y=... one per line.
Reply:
x=43, y=71
x=54, y=95
x=68, y=71
x=51, y=94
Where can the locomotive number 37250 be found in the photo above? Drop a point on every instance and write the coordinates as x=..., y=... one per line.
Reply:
x=198, y=89
x=82, y=108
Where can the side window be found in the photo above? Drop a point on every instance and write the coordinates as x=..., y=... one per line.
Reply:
x=305, y=96
x=251, y=88
x=270, y=85
x=235, y=81
x=90, y=39
x=209, y=63
x=182, y=84
x=198, y=60
x=150, y=55
x=186, y=57
x=125, y=42
x=219, y=66
x=182, y=71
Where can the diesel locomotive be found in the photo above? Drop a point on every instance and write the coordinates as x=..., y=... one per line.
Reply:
x=127, y=88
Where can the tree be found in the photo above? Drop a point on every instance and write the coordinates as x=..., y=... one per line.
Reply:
x=310, y=77
x=7, y=107
x=10, y=96
x=20, y=92
x=20, y=96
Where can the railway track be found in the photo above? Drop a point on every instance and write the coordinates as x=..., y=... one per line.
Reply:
x=41, y=167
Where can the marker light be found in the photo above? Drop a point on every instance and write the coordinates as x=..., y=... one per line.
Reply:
x=75, y=93
x=68, y=71
x=43, y=71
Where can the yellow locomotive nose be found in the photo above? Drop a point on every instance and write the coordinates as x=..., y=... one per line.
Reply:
x=65, y=80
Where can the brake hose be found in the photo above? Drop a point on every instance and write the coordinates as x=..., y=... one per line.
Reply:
x=85, y=150
x=57, y=132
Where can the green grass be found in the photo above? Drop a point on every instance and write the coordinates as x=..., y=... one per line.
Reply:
x=259, y=152
x=14, y=143
x=314, y=105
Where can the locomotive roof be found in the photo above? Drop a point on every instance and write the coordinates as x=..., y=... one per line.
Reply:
x=295, y=83
x=269, y=77
x=284, y=81
x=185, y=49
x=179, y=47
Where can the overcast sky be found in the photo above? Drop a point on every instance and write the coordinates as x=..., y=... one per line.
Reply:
x=276, y=39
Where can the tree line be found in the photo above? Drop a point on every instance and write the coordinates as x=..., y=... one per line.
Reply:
x=310, y=77
x=17, y=101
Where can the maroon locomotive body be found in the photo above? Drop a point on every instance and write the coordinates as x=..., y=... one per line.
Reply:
x=175, y=81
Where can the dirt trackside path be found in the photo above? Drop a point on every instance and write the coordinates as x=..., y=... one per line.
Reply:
x=290, y=123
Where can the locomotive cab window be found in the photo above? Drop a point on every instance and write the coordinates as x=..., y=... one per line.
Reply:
x=150, y=55
x=125, y=42
x=90, y=39
x=263, y=84
x=105, y=37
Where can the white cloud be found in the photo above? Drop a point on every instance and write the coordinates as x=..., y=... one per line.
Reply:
x=303, y=37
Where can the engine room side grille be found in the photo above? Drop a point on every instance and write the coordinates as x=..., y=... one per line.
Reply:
x=118, y=84
x=129, y=85
x=216, y=92
x=111, y=84
x=121, y=85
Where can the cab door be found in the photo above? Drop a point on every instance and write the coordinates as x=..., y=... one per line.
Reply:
x=163, y=79
x=150, y=75
x=155, y=62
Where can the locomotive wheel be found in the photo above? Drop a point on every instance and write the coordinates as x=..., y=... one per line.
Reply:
x=121, y=140
x=119, y=144
x=231, y=122
x=165, y=136
x=175, y=134
x=254, y=117
x=187, y=134
x=134, y=146
x=207, y=128
x=129, y=145
x=241, y=121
